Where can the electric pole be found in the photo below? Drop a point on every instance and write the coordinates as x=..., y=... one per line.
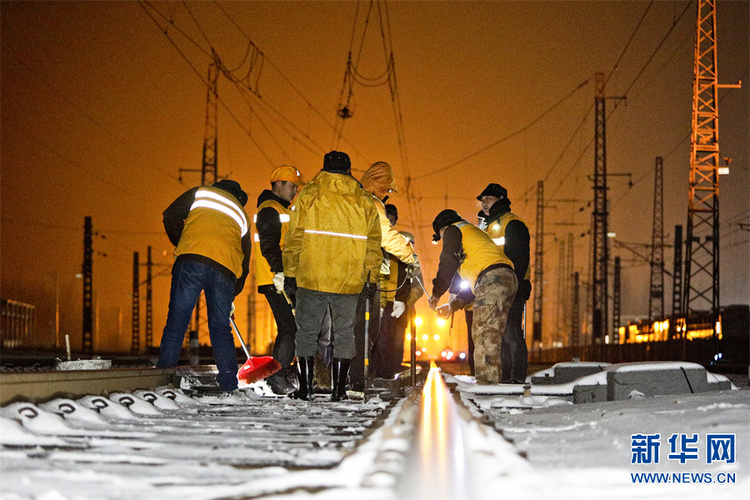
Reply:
x=209, y=167
x=656, y=294
x=135, y=339
x=701, y=290
x=149, y=301
x=88, y=294
x=600, y=280
x=536, y=336
x=616, y=301
x=677, y=272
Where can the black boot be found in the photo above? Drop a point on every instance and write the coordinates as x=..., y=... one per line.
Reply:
x=340, y=371
x=305, y=372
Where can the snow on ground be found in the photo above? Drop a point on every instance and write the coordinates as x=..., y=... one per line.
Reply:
x=526, y=447
x=587, y=450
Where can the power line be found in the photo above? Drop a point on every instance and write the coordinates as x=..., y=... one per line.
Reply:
x=309, y=104
x=76, y=107
x=653, y=54
x=624, y=50
x=80, y=167
x=507, y=137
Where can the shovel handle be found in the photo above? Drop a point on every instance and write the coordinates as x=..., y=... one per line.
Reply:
x=237, y=332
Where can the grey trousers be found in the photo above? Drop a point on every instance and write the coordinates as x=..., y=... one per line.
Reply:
x=310, y=314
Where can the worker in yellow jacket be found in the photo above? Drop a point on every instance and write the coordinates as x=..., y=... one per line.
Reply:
x=271, y=225
x=332, y=246
x=470, y=252
x=209, y=227
x=397, y=297
x=379, y=180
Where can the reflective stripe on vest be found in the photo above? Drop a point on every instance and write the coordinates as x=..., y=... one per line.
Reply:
x=215, y=201
x=343, y=235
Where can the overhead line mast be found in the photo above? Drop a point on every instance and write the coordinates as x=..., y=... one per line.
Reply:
x=701, y=290
x=600, y=217
x=536, y=335
x=600, y=282
x=656, y=292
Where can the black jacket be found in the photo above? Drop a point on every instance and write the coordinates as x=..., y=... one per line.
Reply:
x=516, y=244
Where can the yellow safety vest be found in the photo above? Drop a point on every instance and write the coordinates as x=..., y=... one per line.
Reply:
x=496, y=230
x=214, y=229
x=480, y=252
x=263, y=273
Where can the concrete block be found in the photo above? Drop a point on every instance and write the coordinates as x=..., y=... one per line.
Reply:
x=569, y=372
x=658, y=378
x=562, y=373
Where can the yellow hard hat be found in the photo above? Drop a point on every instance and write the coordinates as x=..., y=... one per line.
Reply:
x=287, y=173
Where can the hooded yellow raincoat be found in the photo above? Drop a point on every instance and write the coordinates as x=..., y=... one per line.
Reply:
x=334, y=236
x=379, y=180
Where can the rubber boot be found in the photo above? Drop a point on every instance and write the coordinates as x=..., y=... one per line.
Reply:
x=305, y=372
x=339, y=374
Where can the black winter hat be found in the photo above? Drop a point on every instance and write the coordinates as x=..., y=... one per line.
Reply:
x=336, y=161
x=443, y=219
x=233, y=188
x=495, y=190
x=391, y=210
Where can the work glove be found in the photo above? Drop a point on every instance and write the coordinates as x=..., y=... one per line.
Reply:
x=290, y=286
x=398, y=309
x=278, y=282
x=370, y=289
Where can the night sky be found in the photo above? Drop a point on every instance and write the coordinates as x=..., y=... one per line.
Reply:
x=103, y=113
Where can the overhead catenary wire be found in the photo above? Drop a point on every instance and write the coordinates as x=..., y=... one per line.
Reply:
x=648, y=174
x=78, y=109
x=299, y=93
x=243, y=82
x=612, y=71
x=80, y=167
x=508, y=136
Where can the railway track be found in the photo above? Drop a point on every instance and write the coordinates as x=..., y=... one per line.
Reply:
x=165, y=444
x=433, y=442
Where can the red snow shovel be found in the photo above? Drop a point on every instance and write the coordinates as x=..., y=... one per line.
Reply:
x=255, y=368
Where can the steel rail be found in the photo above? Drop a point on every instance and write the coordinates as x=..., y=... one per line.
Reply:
x=437, y=462
x=45, y=385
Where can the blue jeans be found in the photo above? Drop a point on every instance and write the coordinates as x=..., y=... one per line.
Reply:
x=189, y=278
